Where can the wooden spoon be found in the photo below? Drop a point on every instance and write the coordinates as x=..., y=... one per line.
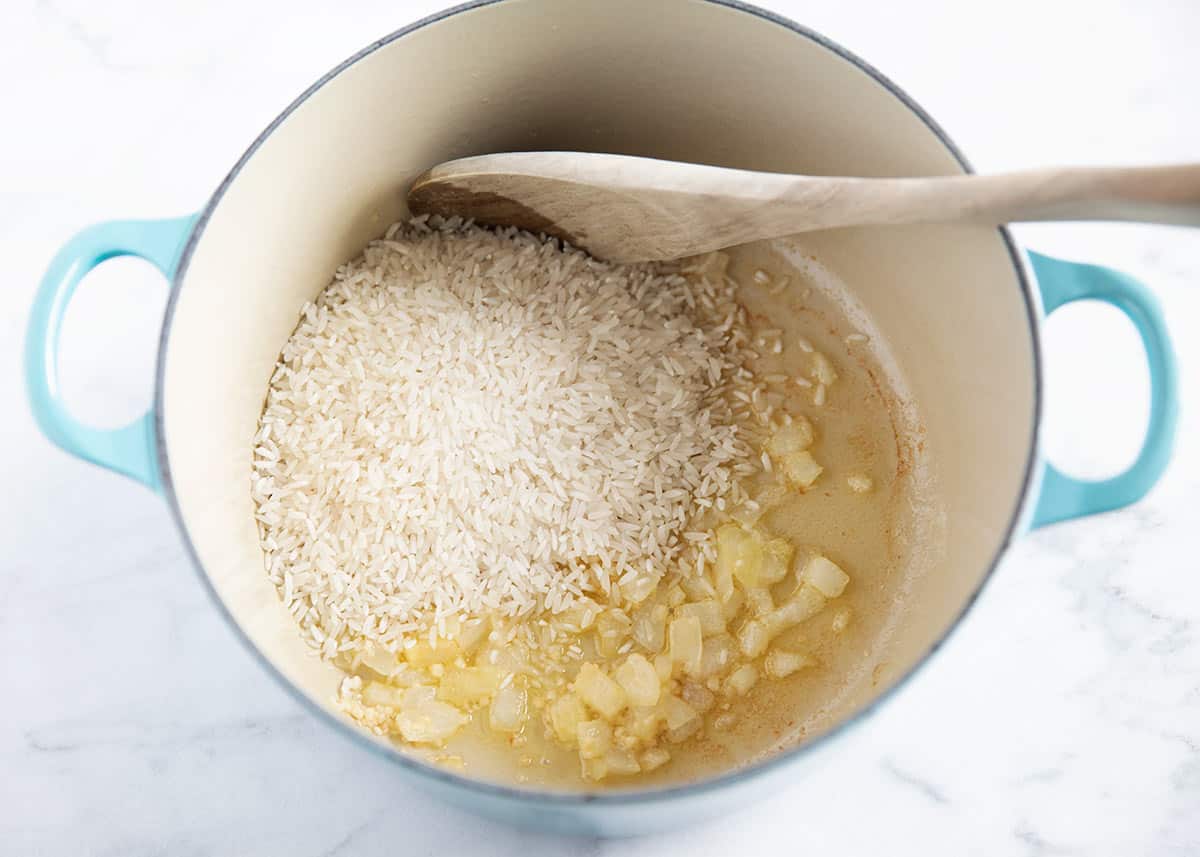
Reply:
x=627, y=209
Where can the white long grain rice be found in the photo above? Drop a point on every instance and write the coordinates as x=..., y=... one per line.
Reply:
x=469, y=421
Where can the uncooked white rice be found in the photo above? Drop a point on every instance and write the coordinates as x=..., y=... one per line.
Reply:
x=470, y=420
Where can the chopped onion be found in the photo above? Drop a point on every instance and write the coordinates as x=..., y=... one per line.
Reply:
x=824, y=575
x=787, y=439
x=740, y=554
x=380, y=661
x=639, y=680
x=803, y=604
x=779, y=664
x=600, y=692
x=469, y=685
x=801, y=469
x=378, y=693
x=707, y=613
x=717, y=655
x=777, y=560
x=566, y=713
x=686, y=643
x=425, y=720
x=859, y=483
x=650, y=626
x=697, y=696
x=654, y=758
x=742, y=679
x=508, y=710
x=682, y=720
x=619, y=761
x=594, y=737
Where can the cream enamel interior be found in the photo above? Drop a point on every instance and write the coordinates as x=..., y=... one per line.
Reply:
x=676, y=79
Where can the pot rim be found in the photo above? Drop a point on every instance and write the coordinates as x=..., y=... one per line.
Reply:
x=624, y=797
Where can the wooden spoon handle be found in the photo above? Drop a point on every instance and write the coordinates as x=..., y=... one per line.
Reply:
x=630, y=209
x=1167, y=194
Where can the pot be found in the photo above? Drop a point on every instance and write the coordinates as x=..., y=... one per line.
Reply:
x=719, y=82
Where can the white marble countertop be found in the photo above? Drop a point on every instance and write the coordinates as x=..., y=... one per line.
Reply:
x=1063, y=720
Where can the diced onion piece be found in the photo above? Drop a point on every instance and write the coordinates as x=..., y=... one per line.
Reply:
x=580, y=616
x=594, y=737
x=759, y=601
x=747, y=514
x=472, y=634
x=803, y=604
x=642, y=723
x=860, y=483
x=717, y=655
x=510, y=657
x=822, y=369
x=740, y=554
x=425, y=720
x=682, y=720
x=722, y=576
x=753, y=638
x=756, y=634
x=623, y=739
x=639, y=680
x=801, y=469
x=796, y=437
x=697, y=696
x=824, y=575
x=650, y=626
x=686, y=643
x=770, y=496
x=697, y=588
x=612, y=629
x=508, y=710
x=777, y=560
x=469, y=685
x=621, y=762
x=421, y=654
x=779, y=664
x=707, y=613
x=742, y=679
x=664, y=667
x=380, y=661
x=675, y=595
x=730, y=608
x=378, y=693
x=654, y=758
x=599, y=691
x=638, y=589
x=565, y=715
x=593, y=769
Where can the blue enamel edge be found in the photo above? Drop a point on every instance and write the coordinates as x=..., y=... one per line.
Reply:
x=132, y=449
x=1064, y=497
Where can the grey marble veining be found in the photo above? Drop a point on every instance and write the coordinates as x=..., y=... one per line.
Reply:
x=1063, y=718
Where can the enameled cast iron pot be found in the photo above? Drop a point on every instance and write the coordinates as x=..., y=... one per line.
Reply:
x=697, y=80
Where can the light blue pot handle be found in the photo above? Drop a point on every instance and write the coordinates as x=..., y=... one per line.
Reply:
x=1064, y=497
x=129, y=450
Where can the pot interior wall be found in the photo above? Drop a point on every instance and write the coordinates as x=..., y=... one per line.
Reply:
x=674, y=79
